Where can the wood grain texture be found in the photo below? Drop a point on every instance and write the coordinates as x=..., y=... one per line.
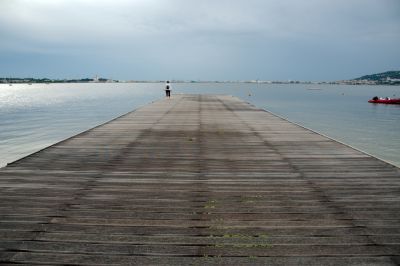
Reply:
x=195, y=180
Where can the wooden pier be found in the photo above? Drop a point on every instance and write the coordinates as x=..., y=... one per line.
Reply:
x=200, y=180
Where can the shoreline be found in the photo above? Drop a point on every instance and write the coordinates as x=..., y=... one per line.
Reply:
x=212, y=82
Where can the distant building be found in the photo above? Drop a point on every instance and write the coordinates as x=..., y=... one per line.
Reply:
x=96, y=79
x=388, y=79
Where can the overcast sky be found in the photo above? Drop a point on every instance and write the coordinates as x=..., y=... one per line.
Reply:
x=199, y=39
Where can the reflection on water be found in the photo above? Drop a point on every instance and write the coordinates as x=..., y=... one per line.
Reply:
x=33, y=117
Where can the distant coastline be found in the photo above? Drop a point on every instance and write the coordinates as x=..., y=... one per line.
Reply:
x=385, y=78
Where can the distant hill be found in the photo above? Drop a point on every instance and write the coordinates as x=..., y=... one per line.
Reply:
x=389, y=77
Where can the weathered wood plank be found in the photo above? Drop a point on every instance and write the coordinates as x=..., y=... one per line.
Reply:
x=200, y=179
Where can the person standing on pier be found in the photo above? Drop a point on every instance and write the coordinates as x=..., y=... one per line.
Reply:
x=168, y=89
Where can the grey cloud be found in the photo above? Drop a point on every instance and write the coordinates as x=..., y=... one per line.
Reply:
x=184, y=32
x=65, y=21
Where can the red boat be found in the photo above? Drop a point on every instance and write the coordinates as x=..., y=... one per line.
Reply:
x=385, y=100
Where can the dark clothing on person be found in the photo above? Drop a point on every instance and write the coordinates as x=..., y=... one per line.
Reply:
x=168, y=91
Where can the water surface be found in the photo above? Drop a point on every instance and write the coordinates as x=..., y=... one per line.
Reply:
x=35, y=116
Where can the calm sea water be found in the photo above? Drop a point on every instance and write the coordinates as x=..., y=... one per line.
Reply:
x=35, y=116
